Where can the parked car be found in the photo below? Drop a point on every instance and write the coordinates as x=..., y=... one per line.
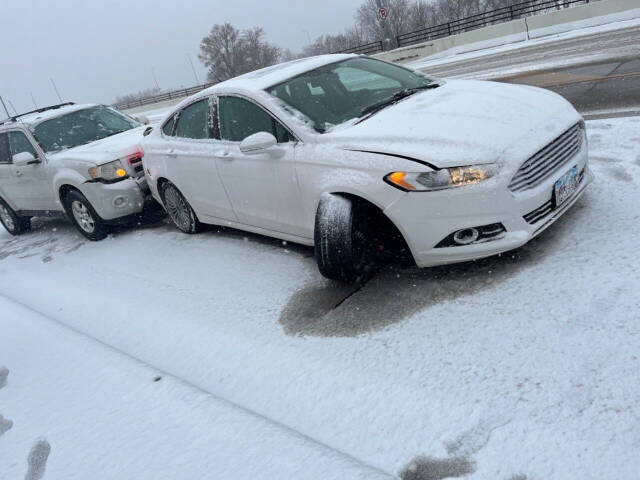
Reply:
x=354, y=155
x=82, y=160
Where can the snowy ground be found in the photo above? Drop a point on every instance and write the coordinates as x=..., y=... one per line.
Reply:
x=519, y=366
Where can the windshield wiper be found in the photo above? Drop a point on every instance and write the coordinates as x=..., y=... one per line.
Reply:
x=396, y=97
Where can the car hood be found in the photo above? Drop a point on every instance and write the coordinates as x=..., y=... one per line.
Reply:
x=462, y=122
x=104, y=150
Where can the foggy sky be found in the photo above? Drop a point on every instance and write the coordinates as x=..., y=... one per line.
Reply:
x=97, y=49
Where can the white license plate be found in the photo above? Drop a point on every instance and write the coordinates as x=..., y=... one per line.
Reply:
x=566, y=186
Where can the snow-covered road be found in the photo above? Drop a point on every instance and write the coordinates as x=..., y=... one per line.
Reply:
x=520, y=365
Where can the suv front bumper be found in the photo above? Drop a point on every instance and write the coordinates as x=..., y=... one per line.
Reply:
x=115, y=200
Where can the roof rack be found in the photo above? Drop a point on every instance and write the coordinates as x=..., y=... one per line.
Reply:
x=38, y=110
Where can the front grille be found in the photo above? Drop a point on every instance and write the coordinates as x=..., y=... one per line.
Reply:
x=544, y=210
x=548, y=160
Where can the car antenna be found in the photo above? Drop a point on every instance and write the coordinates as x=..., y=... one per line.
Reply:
x=5, y=107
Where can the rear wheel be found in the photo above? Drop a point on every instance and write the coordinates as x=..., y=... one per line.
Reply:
x=179, y=209
x=84, y=217
x=342, y=248
x=13, y=223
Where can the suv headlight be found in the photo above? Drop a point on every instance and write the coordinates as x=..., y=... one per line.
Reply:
x=441, y=179
x=109, y=172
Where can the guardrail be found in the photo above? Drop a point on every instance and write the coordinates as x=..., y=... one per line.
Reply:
x=173, y=94
x=366, y=49
x=500, y=15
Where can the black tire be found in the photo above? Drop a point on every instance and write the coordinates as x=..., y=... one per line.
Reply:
x=341, y=247
x=179, y=209
x=12, y=222
x=84, y=217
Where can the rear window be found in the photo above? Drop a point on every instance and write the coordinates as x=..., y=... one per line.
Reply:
x=5, y=154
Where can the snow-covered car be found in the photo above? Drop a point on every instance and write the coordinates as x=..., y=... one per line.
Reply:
x=357, y=156
x=82, y=160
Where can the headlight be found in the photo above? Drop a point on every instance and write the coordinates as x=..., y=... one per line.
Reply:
x=441, y=179
x=109, y=171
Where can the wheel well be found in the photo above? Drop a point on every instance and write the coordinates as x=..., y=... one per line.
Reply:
x=64, y=190
x=387, y=236
x=160, y=184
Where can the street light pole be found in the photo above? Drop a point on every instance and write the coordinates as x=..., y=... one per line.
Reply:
x=153, y=72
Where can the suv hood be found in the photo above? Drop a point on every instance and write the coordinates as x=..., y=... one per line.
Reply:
x=462, y=122
x=104, y=150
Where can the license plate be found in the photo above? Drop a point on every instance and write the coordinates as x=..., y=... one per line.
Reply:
x=566, y=186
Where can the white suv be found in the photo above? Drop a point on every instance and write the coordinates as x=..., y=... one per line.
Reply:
x=82, y=160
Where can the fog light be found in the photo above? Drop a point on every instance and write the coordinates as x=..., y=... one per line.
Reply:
x=119, y=201
x=466, y=236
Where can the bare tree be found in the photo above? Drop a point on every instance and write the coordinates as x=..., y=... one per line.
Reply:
x=228, y=52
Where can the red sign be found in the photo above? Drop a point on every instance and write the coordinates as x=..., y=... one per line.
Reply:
x=382, y=14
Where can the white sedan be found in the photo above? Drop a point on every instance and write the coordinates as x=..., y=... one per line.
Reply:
x=362, y=158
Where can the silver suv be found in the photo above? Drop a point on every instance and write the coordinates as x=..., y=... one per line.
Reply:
x=82, y=160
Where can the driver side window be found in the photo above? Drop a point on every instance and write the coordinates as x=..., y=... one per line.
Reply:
x=18, y=143
x=240, y=118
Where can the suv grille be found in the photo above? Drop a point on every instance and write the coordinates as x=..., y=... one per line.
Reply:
x=548, y=160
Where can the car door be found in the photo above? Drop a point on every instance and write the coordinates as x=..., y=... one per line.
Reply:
x=28, y=187
x=262, y=185
x=7, y=179
x=191, y=163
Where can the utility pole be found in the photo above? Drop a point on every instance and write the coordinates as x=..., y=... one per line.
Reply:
x=153, y=72
x=33, y=100
x=5, y=107
x=194, y=69
x=56, y=89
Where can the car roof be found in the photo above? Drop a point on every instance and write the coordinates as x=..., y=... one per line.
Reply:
x=37, y=117
x=268, y=76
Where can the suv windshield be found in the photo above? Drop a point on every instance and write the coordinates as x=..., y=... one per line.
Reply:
x=335, y=93
x=80, y=127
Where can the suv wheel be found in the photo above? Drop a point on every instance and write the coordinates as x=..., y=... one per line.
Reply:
x=84, y=217
x=179, y=209
x=13, y=223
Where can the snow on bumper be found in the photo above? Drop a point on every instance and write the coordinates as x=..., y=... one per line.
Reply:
x=427, y=218
x=115, y=200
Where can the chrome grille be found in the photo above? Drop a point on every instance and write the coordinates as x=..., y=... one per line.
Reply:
x=548, y=160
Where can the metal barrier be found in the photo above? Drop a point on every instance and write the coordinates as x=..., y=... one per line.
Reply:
x=500, y=15
x=366, y=49
x=173, y=94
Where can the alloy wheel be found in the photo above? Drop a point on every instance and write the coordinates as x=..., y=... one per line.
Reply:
x=83, y=216
x=7, y=219
x=177, y=208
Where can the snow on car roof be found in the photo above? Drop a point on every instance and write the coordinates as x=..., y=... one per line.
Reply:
x=268, y=76
x=36, y=117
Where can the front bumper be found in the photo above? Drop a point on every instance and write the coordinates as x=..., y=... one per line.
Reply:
x=115, y=200
x=425, y=218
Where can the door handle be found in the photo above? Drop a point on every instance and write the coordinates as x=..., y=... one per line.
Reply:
x=18, y=173
x=172, y=153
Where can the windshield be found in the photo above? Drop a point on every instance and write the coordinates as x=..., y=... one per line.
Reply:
x=341, y=91
x=80, y=127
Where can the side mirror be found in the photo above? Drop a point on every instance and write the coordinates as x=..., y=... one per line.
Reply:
x=257, y=142
x=23, y=159
x=143, y=119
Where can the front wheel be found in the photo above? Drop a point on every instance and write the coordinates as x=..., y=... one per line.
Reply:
x=341, y=246
x=179, y=209
x=84, y=216
x=13, y=223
